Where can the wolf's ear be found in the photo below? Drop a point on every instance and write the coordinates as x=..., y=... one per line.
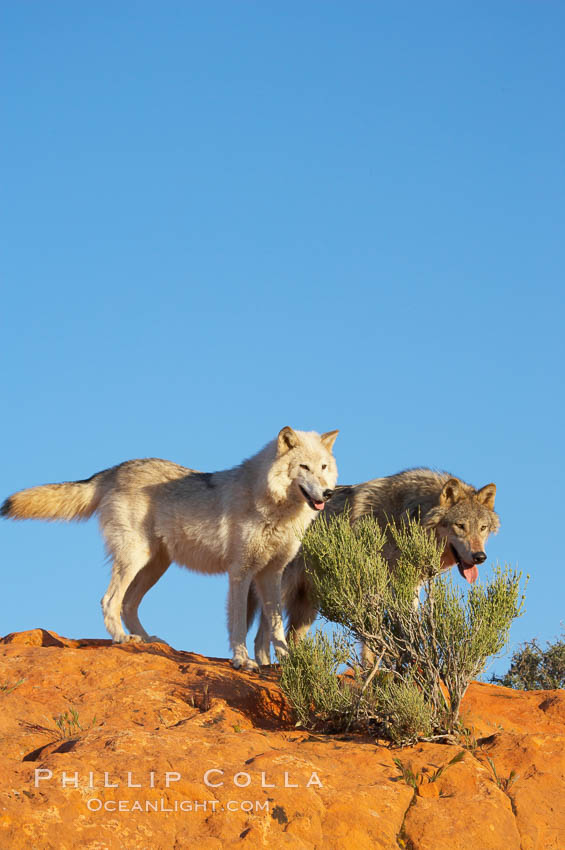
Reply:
x=452, y=493
x=286, y=440
x=328, y=439
x=486, y=496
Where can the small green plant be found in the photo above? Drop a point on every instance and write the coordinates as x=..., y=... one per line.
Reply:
x=407, y=775
x=7, y=689
x=415, y=780
x=468, y=740
x=424, y=655
x=68, y=724
x=455, y=760
x=535, y=668
x=504, y=783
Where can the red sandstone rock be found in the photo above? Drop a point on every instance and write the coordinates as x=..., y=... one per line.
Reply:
x=150, y=710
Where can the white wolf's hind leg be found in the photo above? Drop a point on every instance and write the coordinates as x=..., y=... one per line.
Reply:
x=142, y=582
x=126, y=565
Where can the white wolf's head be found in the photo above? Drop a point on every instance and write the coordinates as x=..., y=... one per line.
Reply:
x=304, y=469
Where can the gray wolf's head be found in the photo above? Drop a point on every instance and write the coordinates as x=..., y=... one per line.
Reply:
x=464, y=518
x=304, y=469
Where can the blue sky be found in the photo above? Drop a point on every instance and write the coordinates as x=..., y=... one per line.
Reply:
x=223, y=218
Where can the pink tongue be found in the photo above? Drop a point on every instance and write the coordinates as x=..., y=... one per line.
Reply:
x=320, y=506
x=471, y=574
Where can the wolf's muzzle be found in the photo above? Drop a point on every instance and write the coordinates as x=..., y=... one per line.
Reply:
x=479, y=557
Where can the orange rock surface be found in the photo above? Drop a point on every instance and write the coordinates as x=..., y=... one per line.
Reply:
x=129, y=771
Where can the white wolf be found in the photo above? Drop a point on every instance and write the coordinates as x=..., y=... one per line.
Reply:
x=245, y=521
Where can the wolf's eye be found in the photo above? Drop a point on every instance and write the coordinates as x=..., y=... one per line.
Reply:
x=303, y=466
x=459, y=526
x=483, y=527
x=324, y=466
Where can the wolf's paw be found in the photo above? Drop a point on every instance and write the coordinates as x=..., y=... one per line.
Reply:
x=130, y=639
x=241, y=663
x=262, y=657
x=155, y=639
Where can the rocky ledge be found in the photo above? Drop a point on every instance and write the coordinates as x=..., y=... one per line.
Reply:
x=143, y=747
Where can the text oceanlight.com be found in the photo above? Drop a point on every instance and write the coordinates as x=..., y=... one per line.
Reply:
x=163, y=805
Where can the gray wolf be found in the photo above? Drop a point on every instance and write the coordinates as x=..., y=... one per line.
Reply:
x=245, y=521
x=458, y=514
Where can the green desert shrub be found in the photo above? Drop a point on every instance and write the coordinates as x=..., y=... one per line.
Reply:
x=423, y=656
x=310, y=675
x=404, y=712
x=533, y=668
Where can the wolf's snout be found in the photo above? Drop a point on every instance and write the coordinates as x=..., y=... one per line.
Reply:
x=479, y=557
x=327, y=494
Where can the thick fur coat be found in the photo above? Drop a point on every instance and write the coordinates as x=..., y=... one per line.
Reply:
x=245, y=521
x=460, y=515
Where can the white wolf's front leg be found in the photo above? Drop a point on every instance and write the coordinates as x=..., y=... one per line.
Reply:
x=237, y=617
x=268, y=584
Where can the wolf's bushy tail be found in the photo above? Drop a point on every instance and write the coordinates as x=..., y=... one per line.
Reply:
x=69, y=500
